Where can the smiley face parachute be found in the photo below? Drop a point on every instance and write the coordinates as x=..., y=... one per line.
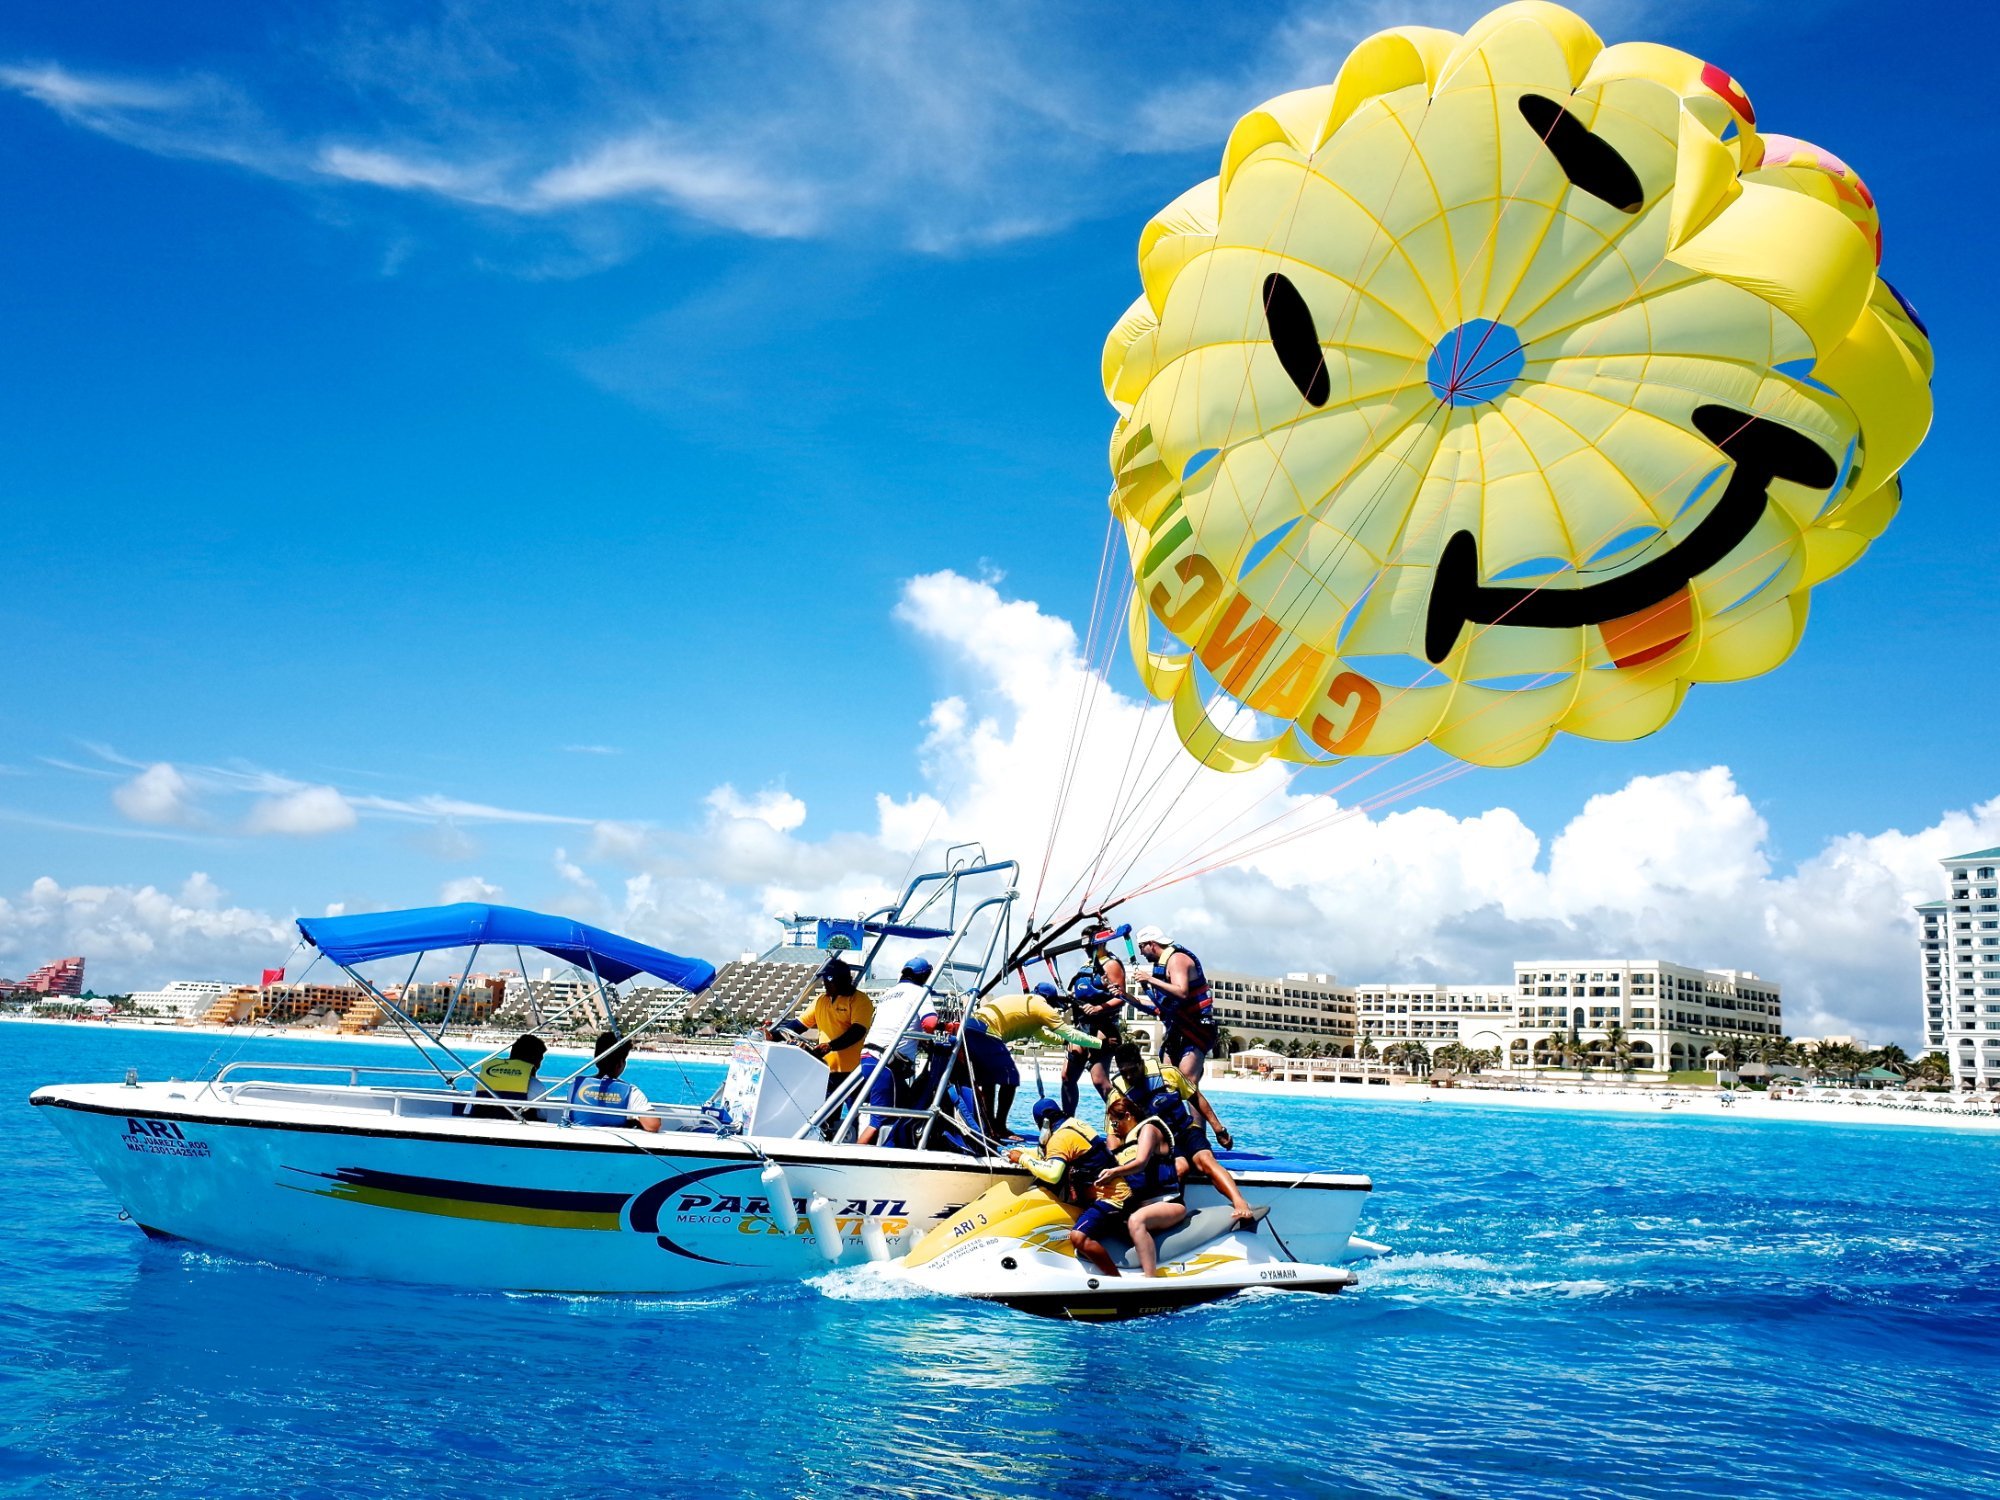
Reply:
x=1506, y=385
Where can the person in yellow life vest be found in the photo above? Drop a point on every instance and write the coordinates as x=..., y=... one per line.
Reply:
x=998, y=1020
x=841, y=1014
x=1138, y=1195
x=1071, y=1154
x=509, y=1077
x=1160, y=1091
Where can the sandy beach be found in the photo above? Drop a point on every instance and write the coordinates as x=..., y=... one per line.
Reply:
x=1936, y=1111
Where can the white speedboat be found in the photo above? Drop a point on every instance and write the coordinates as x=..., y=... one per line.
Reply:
x=1011, y=1246
x=388, y=1174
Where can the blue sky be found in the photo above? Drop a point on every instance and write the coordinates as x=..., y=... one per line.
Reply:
x=526, y=427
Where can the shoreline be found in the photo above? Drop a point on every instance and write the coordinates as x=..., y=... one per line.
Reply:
x=1662, y=1103
x=1683, y=1103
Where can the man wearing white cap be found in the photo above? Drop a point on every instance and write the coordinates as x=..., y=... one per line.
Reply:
x=1188, y=1032
x=1180, y=999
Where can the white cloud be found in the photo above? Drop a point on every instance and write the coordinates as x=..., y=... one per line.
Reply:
x=79, y=96
x=593, y=750
x=160, y=794
x=304, y=813
x=468, y=888
x=774, y=807
x=1678, y=865
x=137, y=937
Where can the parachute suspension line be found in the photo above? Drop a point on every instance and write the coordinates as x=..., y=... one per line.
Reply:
x=1074, y=734
x=1193, y=771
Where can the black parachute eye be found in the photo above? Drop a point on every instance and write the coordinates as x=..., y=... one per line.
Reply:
x=1294, y=339
x=1589, y=161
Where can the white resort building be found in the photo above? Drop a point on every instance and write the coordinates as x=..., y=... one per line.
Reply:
x=1668, y=1016
x=188, y=999
x=1958, y=944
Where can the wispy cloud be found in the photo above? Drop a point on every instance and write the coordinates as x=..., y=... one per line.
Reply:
x=165, y=793
x=592, y=750
x=934, y=127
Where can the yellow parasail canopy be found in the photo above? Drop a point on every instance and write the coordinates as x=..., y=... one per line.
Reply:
x=1507, y=384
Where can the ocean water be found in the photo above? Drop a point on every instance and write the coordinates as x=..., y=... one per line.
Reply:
x=1578, y=1305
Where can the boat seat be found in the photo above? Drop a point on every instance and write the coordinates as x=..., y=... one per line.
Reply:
x=1196, y=1230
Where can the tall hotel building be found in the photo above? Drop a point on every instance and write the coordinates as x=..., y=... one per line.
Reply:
x=1958, y=944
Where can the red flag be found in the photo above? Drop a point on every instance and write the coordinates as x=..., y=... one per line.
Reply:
x=271, y=977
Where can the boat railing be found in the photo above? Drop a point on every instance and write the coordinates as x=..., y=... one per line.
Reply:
x=432, y=1101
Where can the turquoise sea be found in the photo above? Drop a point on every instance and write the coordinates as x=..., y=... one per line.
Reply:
x=1579, y=1305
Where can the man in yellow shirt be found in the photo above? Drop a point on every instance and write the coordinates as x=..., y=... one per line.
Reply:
x=840, y=1013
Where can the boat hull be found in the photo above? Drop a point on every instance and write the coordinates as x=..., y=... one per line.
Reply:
x=517, y=1206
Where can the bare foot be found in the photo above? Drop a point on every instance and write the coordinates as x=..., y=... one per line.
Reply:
x=1244, y=1215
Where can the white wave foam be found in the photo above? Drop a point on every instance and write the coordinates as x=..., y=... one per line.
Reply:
x=866, y=1283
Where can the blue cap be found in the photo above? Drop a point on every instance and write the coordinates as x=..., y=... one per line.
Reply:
x=1048, y=991
x=918, y=969
x=1047, y=1110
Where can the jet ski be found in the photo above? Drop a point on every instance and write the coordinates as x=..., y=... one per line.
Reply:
x=1011, y=1246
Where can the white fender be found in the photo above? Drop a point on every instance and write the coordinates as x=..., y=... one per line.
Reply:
x=778, y=1193
x=819, y=1213
x=872, y=1240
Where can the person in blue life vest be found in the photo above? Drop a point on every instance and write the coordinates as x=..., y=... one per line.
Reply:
x=1180, y=998
x=608, y=1099
x=1097, y=1002
x=509, y=1077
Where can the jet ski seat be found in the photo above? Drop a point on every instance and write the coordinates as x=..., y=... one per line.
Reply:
x=1196, y=1230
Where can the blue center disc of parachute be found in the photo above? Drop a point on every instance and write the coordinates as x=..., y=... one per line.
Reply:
x=1475, y=362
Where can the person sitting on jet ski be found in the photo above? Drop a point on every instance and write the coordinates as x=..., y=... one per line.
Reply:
x=1158, y=1091
x=998, y=1020
x=1138, y=1195
x=1071, y=1155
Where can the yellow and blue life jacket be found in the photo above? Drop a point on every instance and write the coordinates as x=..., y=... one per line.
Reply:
x=614, y=1094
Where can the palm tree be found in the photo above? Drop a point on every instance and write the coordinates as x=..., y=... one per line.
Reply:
x=1367, y=1047
x=1450, y=1058
x=1932, y=1067
x=1892, y=1057
x=1410, y=1056
x=1835, y=1060
x=1618, y=1047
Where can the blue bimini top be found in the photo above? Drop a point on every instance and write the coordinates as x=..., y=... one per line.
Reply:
x=390, y=934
